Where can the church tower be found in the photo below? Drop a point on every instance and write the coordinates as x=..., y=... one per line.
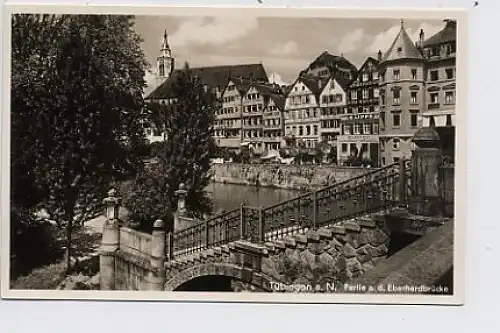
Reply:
x=165, y=62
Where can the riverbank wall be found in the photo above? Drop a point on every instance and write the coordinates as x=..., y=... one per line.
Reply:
x=292, y=177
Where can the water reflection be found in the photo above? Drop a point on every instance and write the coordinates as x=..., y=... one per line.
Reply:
x=229, y=196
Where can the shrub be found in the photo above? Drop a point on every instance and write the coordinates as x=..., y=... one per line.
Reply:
x=33, y=242
x=147, y=200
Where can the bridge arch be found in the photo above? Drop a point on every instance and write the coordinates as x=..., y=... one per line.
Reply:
x=260, y=281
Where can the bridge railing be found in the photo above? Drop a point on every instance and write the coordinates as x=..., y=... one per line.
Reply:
x=378, y=189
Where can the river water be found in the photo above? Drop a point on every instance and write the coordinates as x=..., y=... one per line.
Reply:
x=229, y=196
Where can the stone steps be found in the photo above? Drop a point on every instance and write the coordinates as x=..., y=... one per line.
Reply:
x=292, y=237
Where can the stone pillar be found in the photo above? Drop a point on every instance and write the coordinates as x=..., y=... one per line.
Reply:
x=110, y=241
x=426, y=162
x=157, y=274
x=181, y=206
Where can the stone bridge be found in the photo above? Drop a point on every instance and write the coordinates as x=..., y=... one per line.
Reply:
x=379, y=226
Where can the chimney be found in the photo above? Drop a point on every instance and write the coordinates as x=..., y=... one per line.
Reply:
x=421, y=38
x=379, y=56
x=320, y=84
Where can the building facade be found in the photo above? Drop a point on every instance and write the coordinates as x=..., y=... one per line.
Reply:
x=440, y=54
x=402, y=97
x=332, y=102
x=228, y=119
x=273, y=120
x=360, y=121
x=302, y=112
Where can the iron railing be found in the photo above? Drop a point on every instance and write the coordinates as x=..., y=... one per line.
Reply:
x=380, y=189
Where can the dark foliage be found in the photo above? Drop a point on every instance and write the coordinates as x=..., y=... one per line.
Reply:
x=76, y=111
x=184, y=158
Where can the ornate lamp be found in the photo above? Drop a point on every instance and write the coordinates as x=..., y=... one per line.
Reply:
x=181, y=198
x=112, y=203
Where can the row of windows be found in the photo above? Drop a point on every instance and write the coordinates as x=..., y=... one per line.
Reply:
x=337, y=98
x=332, y=111
x=364, y=94
x=360, y=129
x=272, y=122
x=302, y=130
x=449, y=74
x=302, y=114
x=449, y=97
x=226, y=122
x=228, y=99
x=334, y=123
x=396, y=120
x=297, y=100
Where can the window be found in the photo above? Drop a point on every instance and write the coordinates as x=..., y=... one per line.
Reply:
x=395, y=144
x=315, y=129
x=364, y=147
x=395, y=74
x=375, y=128
x=396, y=159
x=414, y=74
x=396, y=120
x=382, y=76
x=301, y=130
x=325, y=99
x=382, y=98
x=344, y=147
x=375, y=93
x=448, y=97
x=367, y=129
x=434, y=98
x=347, y=129
x=354, y=95
x=413, y=97
x=365, y=77
x=308, y=130
x=395, y=96
x=383, y=160
x=338, y=97
x=365, y=93
x=413, y=120
x=375, y=75
x=357, y=129
x=449, y=73
x=434, y=75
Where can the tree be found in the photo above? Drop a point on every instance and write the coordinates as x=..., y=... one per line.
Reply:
x=76, y=110
x=185, y=155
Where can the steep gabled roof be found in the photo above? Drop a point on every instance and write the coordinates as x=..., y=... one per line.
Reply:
x=314, y=84
x=213, y=76
x=447, y=34
x=279, y=100
x=402, y=48
x=330, y=61
x=367, y=61
x=342, y=81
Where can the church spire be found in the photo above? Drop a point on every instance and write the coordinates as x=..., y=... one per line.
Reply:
x=165, y=62
x=165, y=45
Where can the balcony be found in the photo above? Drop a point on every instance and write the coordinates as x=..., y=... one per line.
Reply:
x=433, y=106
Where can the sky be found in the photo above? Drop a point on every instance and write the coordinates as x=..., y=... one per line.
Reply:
x=284, y=46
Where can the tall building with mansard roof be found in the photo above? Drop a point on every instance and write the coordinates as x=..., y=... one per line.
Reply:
x=402, y=96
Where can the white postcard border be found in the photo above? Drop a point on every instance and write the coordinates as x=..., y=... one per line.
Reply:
x=459, y=14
